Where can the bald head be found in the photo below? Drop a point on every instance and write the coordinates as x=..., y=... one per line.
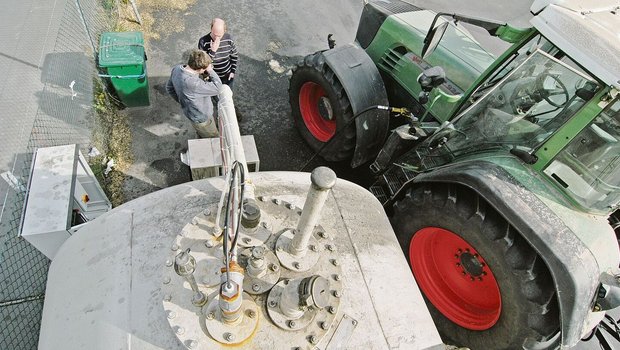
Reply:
x=218, y=27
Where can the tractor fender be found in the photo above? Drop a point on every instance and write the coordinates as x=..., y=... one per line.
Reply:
x=572, y=264
x=364, y=87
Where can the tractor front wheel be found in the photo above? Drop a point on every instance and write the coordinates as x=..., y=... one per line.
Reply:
x=485, y=287
x=321, y=109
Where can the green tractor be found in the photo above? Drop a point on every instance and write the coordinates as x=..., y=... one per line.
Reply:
x=502, y=182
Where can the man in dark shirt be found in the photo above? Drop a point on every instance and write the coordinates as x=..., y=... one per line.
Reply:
x=194, y=94
x=221, y=48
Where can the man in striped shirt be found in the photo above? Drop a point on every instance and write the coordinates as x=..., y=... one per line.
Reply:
x=221, y=48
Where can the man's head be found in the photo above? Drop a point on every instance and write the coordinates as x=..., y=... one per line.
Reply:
x=218, y=28
x=198, y=60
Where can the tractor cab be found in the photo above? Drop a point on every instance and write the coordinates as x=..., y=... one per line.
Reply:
x=552, y=104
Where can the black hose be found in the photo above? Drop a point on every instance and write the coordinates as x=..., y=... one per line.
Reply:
x=236, y=168
x=340, y=130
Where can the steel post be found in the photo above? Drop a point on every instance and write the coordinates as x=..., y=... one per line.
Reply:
x=323, y=179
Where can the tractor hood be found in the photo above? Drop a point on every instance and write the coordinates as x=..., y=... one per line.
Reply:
x=586, y=31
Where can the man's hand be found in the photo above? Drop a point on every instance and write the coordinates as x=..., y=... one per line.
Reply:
x=231, y=76
x=215, y=43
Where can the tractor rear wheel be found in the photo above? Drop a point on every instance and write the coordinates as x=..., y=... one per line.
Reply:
x=321, y=109
x=485, y=287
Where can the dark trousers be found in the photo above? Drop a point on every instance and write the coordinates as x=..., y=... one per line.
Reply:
x=228, y=82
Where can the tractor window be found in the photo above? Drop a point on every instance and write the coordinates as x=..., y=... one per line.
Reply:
x=529, y=104
x=509, y=64
x=589, y=167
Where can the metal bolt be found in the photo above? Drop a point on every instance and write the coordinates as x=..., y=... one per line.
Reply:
x=330, y=247
x=290, y=205
x=171, y=314
x=484, y=273
x=261, y=198
x=324, y=325
x=480, y=279
x=175, y=247
x=167, y=297
x=274, y=267
x=467, y=250
x=179, y=330
x=229, y=336
x=251, y=313
x=322, y=234
x=464, y=273
x=472, y=278
x=335, y=262
x=279, y=248
x=255, y=287
x=597, y=307
x=331, y=309
x=456, y=256
x=292, y=324
x=207, y=212
x=168, y=262
x=313, y=248
x=337, y=294
x=210, y=315
x=273, y=303
x=476, y=255
x=192, y=344
x=166, y=280
x=277, y=201
x=209, y=243
x=458, y=264
x=296, y=265
x=314, y=339
x=247, y=240
x=194, y=221
x=354, y=322
x=285, y=282
x=459, y=251
x=337, y=277
x=263, y=224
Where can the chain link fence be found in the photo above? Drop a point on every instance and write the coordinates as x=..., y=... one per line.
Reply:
x=59, y=113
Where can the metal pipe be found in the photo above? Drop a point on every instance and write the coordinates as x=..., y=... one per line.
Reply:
x=184, y=266
x=323, y=179
x=232, y=147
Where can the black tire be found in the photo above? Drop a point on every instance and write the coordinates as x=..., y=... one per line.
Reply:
x=315, y=128
x=529, y=317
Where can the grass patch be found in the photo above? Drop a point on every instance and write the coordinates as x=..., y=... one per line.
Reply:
x=112, y=137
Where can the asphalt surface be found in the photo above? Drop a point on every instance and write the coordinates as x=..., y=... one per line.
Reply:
x=271, y=38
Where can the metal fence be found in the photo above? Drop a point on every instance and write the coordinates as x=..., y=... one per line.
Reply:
x=59, y=113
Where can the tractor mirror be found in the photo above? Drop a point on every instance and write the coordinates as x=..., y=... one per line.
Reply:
x=433, y=38
x=431, y=78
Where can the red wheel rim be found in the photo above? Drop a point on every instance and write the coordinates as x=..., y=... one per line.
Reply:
x=455, y=278
x=321, y=124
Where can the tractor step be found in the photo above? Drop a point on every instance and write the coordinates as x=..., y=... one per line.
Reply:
x=390, y=182
x=379, y=192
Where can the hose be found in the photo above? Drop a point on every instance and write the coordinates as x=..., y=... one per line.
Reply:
x=236, y=168
x=381, y=107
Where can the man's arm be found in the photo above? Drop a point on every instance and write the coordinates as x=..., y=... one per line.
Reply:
x=210, y=88
x=171, y=91
x=204, y=44
x=234, y=57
